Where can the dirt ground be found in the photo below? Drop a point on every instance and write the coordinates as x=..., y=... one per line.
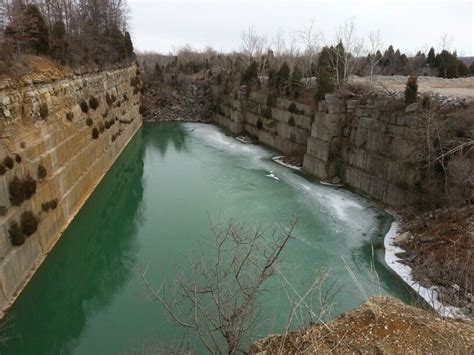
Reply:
x=462, y=88
x=441, y=254
x=380, y=326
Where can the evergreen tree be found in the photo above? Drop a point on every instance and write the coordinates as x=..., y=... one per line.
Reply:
x=272, y=78
x=447, y=64
x=325, y=84
x=283, y=75
x=295, y=81
x=58, y=40
x=250, y=75
x=431, y=58
x=28, y=30
x=37, y=28
x=411, y=89
x=324, y=60
x=128, y=45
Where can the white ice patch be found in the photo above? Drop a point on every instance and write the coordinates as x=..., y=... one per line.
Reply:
x=279, y=160
x=273, y=176
x=430, y=295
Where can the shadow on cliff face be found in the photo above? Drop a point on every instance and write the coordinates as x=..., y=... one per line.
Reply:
x=92, y=261
x=163, y=135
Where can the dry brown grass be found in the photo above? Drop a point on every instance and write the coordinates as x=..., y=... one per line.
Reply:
x=382, y=325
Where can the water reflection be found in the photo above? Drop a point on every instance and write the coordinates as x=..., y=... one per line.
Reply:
x=87, y=267
x=165, y=134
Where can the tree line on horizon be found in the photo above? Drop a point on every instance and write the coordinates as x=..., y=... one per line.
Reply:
x=72, y=32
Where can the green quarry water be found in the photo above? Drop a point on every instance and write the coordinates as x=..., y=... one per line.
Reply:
x=152, y=209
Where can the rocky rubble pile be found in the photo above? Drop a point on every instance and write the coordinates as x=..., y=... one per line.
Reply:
x=189, y=103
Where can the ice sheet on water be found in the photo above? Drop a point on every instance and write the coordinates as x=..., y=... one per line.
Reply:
x=345, y=210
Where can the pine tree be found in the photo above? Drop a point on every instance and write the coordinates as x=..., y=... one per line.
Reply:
x=283, y=75
x=295, y=81
x=28, y=30
x=38, y=29
x=325, y=84
x=128, y=45
x=431, y=57
x=411, y=89
x=58, y=40
x=250, y=75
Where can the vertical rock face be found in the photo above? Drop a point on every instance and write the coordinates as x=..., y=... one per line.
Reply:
x=74, y=128
x=274, y=125
x=363, y=146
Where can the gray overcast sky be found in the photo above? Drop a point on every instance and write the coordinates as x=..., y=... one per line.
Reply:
x=160, y=25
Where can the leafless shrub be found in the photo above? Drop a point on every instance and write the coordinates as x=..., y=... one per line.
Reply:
x=216, y=300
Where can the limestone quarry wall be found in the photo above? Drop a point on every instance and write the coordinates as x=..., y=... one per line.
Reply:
x=42, y=122
x=366, y=147
x=354, y=142
x=282, y=130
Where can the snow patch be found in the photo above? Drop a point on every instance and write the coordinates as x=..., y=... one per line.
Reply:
x=279, y=160
x=273, y=176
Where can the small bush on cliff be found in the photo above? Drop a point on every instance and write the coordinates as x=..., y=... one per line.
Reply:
x=411, y=89
x=16, y=191
x=84, y=106
x=29, y=187
x=271, y=100
x=267, y=112
x=53, y=204
x=95, y=133
x=69, y=116
x=94, y=103
x=109, y=100
x=45, y=206
x=293, y=109
x=8, y=162
x=3, y=170
x=17, y=237
x=42, y=172
x=250, y=75
x=291, y=121
x=18, y=158
x=21, y=190
x=89, y=122
x=43, y=111
x=101, y=128
x=29, y=223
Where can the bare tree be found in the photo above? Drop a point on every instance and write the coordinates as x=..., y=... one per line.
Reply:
x=445, y=42
x=279, y=43
x=374, y=47
x=343, y=56
x=310, y=37
x=252, y=44
x=216, y=299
